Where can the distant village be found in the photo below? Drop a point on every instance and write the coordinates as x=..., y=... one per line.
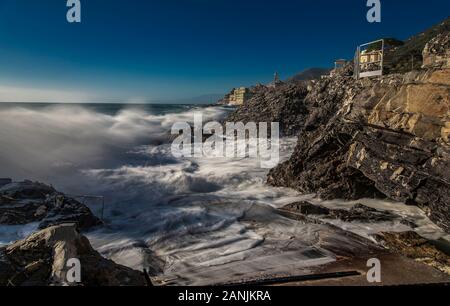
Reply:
x=240, y=95
x=371, y=59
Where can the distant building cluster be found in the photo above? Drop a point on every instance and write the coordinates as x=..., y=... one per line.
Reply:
x=239, y=96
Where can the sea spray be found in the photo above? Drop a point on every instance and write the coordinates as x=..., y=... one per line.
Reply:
x=239, y=140
x=193, y=220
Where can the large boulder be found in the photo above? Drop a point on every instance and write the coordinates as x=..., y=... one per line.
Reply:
x=42, y=260
x=27, y=202
x=26, y=190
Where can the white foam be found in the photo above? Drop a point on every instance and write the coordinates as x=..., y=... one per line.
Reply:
x=425, y=227
x=205, y=220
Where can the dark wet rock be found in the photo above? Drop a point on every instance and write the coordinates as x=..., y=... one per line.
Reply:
x=5, y=181
x=412, y=245
x=6, y=268
x=307, y=208
x=405, y=172
x=357, y=213
x=363, y=213
x=408, y=222
x=28, y=202
x=26, y=190
x=41, y=260
x=281, y=104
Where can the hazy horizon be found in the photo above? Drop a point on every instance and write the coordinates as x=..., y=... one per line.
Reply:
x=200, y=100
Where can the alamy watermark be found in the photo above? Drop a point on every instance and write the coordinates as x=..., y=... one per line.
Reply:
x=229, y=140
x=74, y=12
x=73, y=275
x=374, y=13
x=374, y=274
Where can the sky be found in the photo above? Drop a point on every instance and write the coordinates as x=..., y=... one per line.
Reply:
x=148, y=51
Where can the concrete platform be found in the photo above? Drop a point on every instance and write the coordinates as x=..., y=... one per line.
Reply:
x=395, y=271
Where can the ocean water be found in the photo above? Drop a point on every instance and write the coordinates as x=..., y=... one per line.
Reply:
x=191, y=221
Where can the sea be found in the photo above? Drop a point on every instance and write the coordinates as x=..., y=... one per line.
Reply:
x=188, y=221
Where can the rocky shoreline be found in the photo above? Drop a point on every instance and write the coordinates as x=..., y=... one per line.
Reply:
x=28, y=202
x=380, y=137
x=41, y=259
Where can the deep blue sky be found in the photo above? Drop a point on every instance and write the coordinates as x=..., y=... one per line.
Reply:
x=140, y=50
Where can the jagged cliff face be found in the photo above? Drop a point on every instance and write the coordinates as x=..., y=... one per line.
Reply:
x=283, y=104
x=385, y=136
